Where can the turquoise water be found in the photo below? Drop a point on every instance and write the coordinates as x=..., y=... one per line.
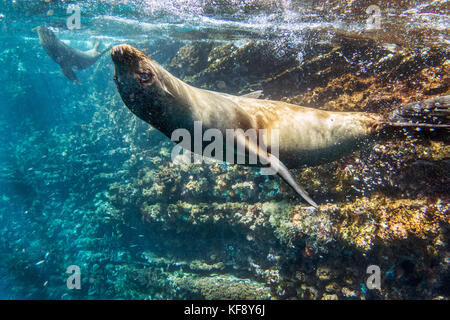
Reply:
x=84, y=182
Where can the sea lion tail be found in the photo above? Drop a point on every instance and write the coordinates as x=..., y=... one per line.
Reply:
x=432, y=113
x=96, y=45
x=100, y=53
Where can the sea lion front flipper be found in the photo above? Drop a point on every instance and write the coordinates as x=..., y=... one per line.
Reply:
x=276, y=165
x=284, y=173
x=68, y=72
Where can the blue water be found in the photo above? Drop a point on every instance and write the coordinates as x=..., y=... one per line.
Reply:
x=64, y=146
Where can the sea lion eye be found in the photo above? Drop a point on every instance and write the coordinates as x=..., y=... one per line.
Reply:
x=144, y=76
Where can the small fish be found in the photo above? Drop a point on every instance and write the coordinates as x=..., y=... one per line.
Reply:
x=40, y=262
x=45, y=283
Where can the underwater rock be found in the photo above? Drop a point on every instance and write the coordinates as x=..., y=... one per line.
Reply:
x=190, y=59
x=193, y=280
x=357, y=77
x=225, y=288
x=229, y=68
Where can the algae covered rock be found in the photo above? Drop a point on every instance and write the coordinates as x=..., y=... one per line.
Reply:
x=225, y=288
x=228, y=67
x=190, y=59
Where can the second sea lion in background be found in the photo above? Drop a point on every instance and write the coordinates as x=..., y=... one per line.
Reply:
x=67, y=57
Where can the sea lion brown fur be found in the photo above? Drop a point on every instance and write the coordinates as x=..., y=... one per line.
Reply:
x=67, y=57
x=306, y=135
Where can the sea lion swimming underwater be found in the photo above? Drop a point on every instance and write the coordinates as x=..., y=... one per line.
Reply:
x=305, y=135
x=67, y=57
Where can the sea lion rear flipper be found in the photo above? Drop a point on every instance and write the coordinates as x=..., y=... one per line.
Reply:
x=96, y=45
x=277, y=166
x=68, y=72
x=431, y=113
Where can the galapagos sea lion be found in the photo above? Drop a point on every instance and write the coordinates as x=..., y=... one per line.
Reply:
x=67, y=57
x=305, y=135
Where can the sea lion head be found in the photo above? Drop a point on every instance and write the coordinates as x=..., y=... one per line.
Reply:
x=45, y=34
x=140, y=81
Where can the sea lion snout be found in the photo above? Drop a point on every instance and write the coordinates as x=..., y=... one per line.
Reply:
x=126, y=55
